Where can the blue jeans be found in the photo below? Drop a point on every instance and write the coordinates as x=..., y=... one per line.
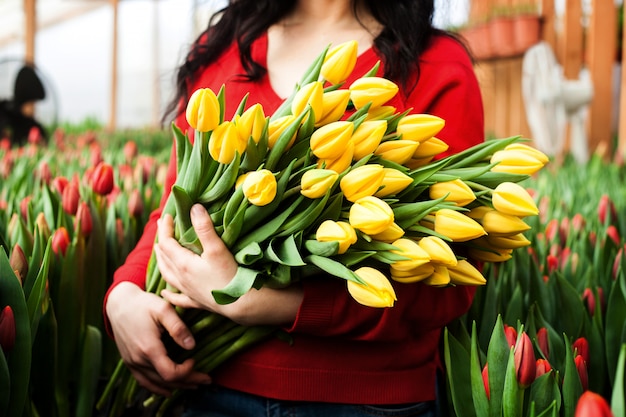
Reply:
x=216, y=401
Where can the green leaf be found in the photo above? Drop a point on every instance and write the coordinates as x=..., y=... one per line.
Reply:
x=456, y=358
x=571, y=308
x=545, y=393
x=89, y=374
x=615, y=326
x=618, y=400
x=498, y=354
x=513, y=394
x=38, y=292
x=572, y=387
x=249, y=254
x=183, y=209
x=241, y=283
x=5, y=385
x=334, y=268
x=324, y=249
x=19, y=359
x=479, y=396
x=284, y=251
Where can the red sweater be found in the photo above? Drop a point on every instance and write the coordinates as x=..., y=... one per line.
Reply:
x=343, y=351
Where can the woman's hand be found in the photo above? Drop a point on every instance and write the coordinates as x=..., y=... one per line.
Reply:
x=195, y=276
x=138, y=319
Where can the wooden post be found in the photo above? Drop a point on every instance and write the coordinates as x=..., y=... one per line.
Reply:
x=602, y=43
x=113, y=115
x=30, y=27
x=548, y=18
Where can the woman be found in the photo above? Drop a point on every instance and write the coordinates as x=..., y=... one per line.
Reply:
x=345, y=359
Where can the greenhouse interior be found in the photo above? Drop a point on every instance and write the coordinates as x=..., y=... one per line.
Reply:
x=258, y=208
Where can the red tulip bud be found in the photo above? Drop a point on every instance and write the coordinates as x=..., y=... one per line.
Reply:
x=578, y=222
x=581, y=347
x=135, y=203
x=511, y=334
x=60, y=241
x=552, y=230
x=5, y=144
x=18, y=262
x=130, y=151
x=485, y=375
x=84, y=219
x=581, y=368
x=102, y=179
x=613, y=234
x=606, y=208
x=591, y=404
x=618, y=261
x=543, y=341
x=44, y=172
x=35, y=136
x=119, y=231
x=96, y=154
x=7, y=329
x=525, y=362
x=542, y=367
x=552, y=262
x=70, y=198
x=59, y=184
x=25, y=207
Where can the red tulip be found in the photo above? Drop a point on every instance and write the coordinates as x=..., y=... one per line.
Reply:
x=60, y=241
x=525, y=362
x=581, y=368
x=102, y=180
x=44, y=172
x=83, y=219
x=591, y=404
x=578, y=222
x=542, y=367
x=606, y=208
x=543, y=341
x=70, y=198
x=581, y=347
x=96, y=153
x=613, y=234
x=552, y=262
x=130, y=151
x=59, y=184
x=5, y=144
x=7, y=329
x=25, y=207
x=135, y=203
x=618, y=261
x=511, y=334
x=34, y=136
x=552, y=230
x=18, y=262
x=485, y=375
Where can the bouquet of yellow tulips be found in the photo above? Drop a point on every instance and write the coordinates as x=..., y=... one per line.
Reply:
x=336, y=182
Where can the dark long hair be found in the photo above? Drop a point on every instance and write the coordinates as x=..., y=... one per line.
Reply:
x=407, y=30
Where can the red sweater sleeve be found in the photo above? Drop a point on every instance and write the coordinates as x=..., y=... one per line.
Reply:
x=448, y=88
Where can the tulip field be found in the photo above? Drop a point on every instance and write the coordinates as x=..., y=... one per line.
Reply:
x=546, y=334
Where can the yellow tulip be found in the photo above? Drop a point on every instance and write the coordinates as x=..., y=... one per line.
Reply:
x=259, y=187
x=203, y=110
x=310, y=94
x=371, y=215
x=412, y=275
x=517, y=161
x=339, y=62
x=488, y=254
x=508, y=242
x=380, y=113
x=241, y=179
x=341, y=163
x=251, y=123
x=410, y=249
x=316, y=182
x=502, y=224
x=430, y=147
x=477, y=213
x=334, y=104
x=456, y=191
x=389, y=235
x=512, y=198
x=277, y=127
x=394, y=181
x=439, y=278
x=341, y=232
x=398, y=151
x=457, y=226
x=377, y=291
x=438, y=250
x=367, y=137
x=529, y=150
x=419, y=127
x=331, y=140
x=225, y=143
x=362, y=181
x=374, y=90
x=464, y=273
